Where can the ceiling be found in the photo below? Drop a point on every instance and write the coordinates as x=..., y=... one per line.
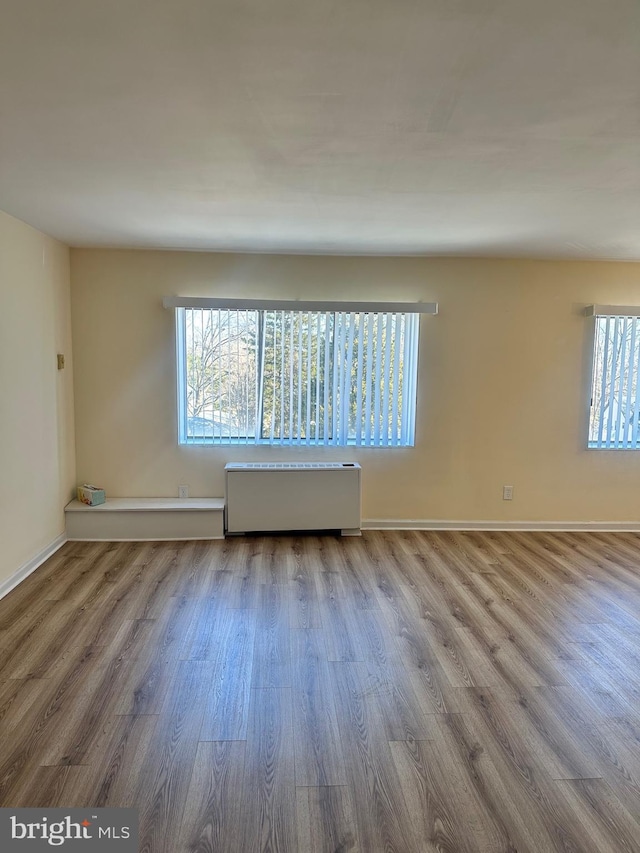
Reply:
x=444, y=127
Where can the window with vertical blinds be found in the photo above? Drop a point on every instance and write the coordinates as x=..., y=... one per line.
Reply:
x=615, y=404
x=287, y=377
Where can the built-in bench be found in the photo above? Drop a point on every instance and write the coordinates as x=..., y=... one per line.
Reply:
x=131, y=519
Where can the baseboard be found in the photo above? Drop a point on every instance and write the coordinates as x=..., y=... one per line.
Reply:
x=147, y=539
x=31, y=565
x=446, y=524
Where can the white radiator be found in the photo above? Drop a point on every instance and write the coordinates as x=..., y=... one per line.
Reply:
x=292, y=496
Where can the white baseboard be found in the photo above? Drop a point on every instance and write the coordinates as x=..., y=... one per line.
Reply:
x=446, y=524
x=31, y=565
x=145, y=539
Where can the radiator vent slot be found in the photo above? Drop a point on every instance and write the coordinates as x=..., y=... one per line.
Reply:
x=285, y=466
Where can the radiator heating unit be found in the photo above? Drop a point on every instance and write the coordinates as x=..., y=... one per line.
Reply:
x=267, y=496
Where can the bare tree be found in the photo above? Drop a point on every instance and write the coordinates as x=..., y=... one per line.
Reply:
x=221, y=367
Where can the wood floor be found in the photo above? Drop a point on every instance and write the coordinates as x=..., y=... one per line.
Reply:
x=472, y=692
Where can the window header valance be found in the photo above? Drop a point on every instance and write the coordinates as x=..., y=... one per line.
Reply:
x=299, y=305
x=612, y=311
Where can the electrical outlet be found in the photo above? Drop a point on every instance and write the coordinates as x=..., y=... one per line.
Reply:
x=183, y=491
x=507, y=493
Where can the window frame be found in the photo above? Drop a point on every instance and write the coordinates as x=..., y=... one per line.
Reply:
x=620, y=314
x=409, y=369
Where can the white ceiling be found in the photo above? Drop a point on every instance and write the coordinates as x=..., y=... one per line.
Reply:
x=478, y=127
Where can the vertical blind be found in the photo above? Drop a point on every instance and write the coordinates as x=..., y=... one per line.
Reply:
x=297, y=377
x=615, y=406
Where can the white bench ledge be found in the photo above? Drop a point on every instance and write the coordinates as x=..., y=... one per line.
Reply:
x=146, y=519
x=149, y=505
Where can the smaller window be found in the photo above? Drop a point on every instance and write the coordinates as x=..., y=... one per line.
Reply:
x=615, y=403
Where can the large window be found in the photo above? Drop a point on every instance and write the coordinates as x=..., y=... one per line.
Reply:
x=296, y=377
x=615, y=402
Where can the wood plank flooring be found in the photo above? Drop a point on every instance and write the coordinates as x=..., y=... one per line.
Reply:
x=403, y=692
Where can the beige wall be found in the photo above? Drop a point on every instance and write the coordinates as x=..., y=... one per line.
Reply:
x=37, y=456
x=502, y=380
